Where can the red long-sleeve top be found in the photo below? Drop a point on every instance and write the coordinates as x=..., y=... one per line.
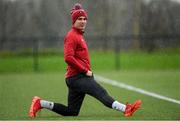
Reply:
x=76, y=53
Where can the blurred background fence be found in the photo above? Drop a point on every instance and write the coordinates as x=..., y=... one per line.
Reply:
x=36, y=27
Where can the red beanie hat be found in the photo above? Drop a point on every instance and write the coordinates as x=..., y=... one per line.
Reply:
x=77, y=11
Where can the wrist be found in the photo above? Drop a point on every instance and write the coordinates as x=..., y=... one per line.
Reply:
x=89, y=73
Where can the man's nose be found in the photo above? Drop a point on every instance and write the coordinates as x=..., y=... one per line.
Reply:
x=83, y=21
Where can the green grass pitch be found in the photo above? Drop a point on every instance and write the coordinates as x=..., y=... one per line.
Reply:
x=17, y=89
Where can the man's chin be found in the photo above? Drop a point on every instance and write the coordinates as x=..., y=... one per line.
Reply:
x=82, y=28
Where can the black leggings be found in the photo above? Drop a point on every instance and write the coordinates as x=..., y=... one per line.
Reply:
x=78, y=87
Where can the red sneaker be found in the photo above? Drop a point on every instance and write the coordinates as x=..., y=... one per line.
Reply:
x=35, y=107
x=131, y=108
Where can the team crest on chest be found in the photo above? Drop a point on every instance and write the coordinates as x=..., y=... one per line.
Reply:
x=82, y=40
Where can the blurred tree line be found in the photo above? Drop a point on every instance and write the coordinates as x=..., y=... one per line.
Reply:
x=144, y=24
x=160, y=22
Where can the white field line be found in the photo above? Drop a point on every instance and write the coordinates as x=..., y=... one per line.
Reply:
x=135, y=89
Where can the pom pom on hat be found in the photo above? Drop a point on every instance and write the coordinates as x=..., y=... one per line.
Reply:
x=77, y=6
x=77, y=11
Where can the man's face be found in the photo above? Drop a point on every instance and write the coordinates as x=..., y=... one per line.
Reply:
x=80, y=23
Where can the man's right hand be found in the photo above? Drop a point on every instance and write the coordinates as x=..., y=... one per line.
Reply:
x=89, y=73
